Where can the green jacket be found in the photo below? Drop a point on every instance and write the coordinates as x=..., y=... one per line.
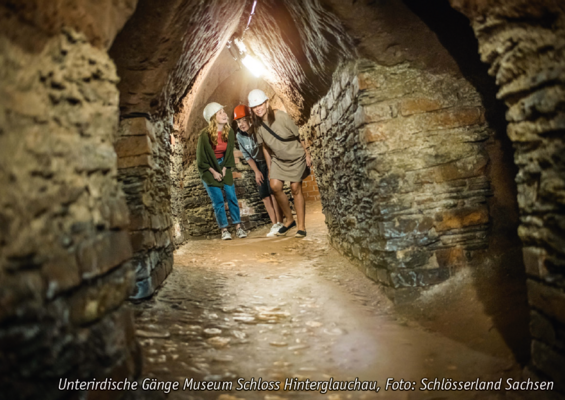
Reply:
x=205, y=158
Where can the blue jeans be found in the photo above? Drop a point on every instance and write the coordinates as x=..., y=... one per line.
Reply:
x=217, y=198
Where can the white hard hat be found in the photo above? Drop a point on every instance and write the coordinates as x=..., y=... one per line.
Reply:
x=211, y=109
x=256, y=97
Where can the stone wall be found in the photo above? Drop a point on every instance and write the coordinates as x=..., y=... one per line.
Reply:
x=144, y=157
x=165, y=46
x=199, y=218
x=301, y=43
x=32, y=23
x=524, y=45
x=64, y=244
x=310, y=188
x=177, y=187
x=400, y=161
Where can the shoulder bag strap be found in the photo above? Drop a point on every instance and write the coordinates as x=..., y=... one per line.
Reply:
x=277, y=136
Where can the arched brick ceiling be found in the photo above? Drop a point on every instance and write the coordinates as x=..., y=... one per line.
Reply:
x=165, y=45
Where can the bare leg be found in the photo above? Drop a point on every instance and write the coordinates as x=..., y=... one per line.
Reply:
x=282, y=200
x=299, y=204
x=270, y=209
x=278, y=211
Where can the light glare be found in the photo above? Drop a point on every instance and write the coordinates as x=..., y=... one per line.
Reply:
x=253, y=65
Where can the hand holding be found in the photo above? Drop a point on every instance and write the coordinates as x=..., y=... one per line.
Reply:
x=308, y=160
x=224, y=172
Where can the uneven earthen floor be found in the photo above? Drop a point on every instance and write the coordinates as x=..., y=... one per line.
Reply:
x=278, y=308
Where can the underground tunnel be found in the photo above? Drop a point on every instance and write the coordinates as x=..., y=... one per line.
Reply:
x=435, y=248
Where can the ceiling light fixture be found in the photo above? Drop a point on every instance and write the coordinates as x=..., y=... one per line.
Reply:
x=255, y=66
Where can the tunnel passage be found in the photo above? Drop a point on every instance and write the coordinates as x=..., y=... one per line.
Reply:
x=95, y=157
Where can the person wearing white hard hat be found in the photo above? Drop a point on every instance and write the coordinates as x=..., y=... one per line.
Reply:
x=253, y=154
x=287, y=157
x=215, y=160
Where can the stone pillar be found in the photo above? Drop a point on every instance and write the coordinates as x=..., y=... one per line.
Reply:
x=400, y=161
x=144, y=172
x=523, y=42
x=64, y=246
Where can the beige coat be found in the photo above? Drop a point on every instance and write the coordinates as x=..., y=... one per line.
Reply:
x=288, y=159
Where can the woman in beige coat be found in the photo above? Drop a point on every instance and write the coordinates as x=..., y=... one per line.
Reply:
x=286, y=155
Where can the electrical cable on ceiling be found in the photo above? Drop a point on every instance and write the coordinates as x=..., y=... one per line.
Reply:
x=241, y=56
x=239, y=42
x=249, y=20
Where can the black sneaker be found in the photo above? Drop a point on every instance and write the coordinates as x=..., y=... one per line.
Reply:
x=300, y=234
x=283, y=231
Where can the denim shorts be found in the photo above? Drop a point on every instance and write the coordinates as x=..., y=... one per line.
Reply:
x=265, y=187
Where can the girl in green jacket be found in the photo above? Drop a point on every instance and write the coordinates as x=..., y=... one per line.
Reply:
x=215, y=159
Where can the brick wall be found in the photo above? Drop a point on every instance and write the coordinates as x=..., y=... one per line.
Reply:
x=199, y=219
x=401, y=165
x=310, y=188
x=198, y=216
x=529, y=72
x=64, y=244
x=143, y=150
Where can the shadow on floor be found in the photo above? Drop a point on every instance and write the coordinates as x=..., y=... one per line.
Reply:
x=484, y=307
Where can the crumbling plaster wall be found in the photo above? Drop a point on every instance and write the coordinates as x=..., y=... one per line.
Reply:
x=524, y=43
x=32, y=22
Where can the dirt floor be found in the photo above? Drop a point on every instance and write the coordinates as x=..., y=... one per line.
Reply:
x=284, y=310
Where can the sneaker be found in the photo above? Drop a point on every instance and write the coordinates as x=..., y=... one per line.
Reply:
x=226, y=235
x=300, y=234
x=274, y=229
x=283, y=231
x=241, y=233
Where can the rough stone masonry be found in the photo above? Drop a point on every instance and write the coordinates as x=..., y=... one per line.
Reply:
x=401, y=169
x=144, y=154
x=63, y=220
x=524, y=43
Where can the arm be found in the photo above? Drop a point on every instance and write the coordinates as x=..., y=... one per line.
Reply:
x=308, y=157
x=229, y=159
x=201, y=160
x=217, y=175
x=267, y=156
x=248, y=157
x=258, y=175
